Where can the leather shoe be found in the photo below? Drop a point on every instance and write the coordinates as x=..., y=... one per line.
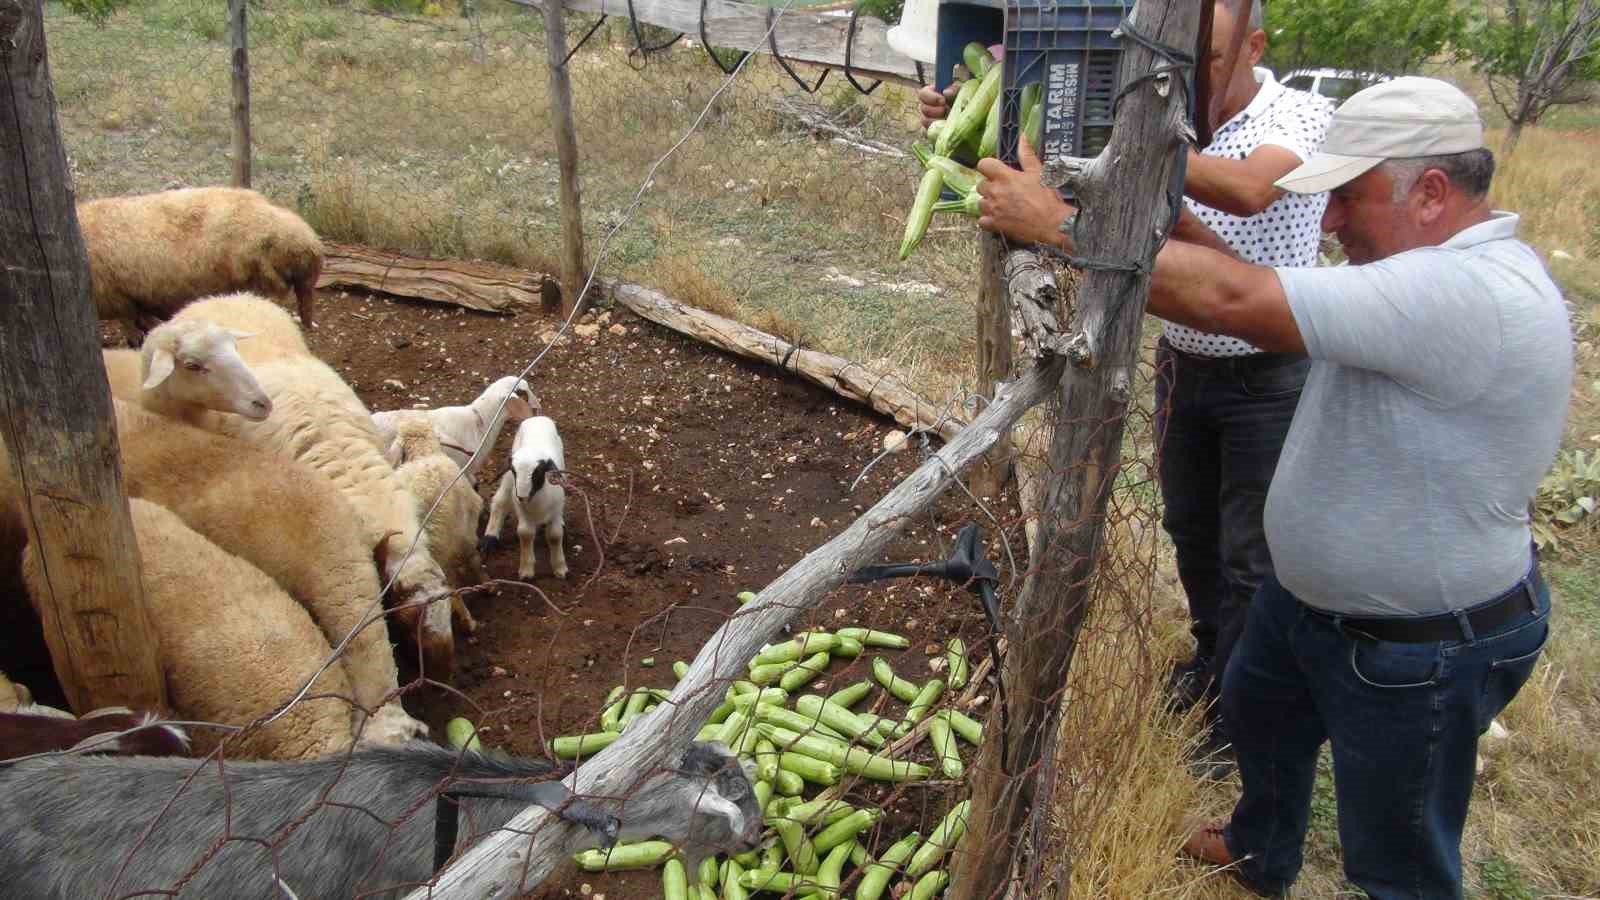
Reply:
x=1188, y=683
x=1207, y=844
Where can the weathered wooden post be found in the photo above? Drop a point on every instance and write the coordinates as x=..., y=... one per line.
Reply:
x=55, y=404
x=995, y=354
x=1124, y=213
x=239, y=35
x=573, y=271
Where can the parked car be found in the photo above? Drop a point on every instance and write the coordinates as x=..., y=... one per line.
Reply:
x=1335, y=84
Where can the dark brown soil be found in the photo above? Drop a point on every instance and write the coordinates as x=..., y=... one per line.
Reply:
x=693, y=475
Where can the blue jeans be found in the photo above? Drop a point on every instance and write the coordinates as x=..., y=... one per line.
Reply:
x=1404, y=721
x=1219, y=429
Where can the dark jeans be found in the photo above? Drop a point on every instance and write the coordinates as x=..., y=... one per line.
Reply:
x=1219, y=429
x=1404, y=720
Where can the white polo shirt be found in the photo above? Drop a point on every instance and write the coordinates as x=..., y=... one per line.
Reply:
x=1288, y=232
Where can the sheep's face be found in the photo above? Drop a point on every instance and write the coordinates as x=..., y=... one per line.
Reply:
x=521, y=404
x=197, y=364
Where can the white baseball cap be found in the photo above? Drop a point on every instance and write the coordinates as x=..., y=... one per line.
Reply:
x=1401, y=118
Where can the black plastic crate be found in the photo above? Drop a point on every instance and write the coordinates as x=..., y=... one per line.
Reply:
x=1068, y=47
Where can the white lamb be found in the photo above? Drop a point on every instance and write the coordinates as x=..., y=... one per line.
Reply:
x=453, y=525
x=461, y=429
x=539, y=501
x=318, y=420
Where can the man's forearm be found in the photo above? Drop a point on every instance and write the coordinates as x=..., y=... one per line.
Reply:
x=1212, y=292
x=1239, y=187
x=1191, y=230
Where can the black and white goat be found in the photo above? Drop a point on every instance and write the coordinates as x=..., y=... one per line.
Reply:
x=540, y=502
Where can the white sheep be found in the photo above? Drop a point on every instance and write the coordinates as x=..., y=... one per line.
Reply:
x=234, y=646
x=318, y=420
x=453, y=525
x=276, y=333
x=151, y=253
x=462, y=429
x=539, y=501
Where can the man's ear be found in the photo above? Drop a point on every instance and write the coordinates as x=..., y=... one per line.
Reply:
x=1255, y=45
x=1432, y=191
x=161, y=365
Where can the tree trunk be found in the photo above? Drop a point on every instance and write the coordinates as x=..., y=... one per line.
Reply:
x=573, y=271
x=1124, y=205
x=238, y=28
x=990, y=475
x=55, y=404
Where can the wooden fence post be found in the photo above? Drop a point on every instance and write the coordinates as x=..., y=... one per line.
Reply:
x=995, y=355
x=55, y=403
x=239, y=33
x=573, y=272
x=1124, y=209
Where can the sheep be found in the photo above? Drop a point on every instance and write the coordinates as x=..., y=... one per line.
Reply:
x=539, y=501
x=291, y=523
x=462, y=429
x=276, y=332
x=30, y=730
x=72, y=822
x=279, y=516
x=453, y=525
x=233, y=645
x=319, y=421
x=212, y=377
x=150, y=253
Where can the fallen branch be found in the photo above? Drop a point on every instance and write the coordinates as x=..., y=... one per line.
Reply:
x=476, y=285
x=816, y=119
x=530, y=847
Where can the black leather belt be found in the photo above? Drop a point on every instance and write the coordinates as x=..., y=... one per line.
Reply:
x=1482, y=619
x=1250, y=362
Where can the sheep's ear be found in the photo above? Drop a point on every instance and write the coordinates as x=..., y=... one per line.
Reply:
x=238, y=335
x=161, y=365
x=519, y=407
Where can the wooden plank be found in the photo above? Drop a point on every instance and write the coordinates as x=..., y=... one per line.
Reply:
x=995, y=355
x=574, y=274
x=55, y=403
x=1122, y=195
x=533, y=844
x=801, y=36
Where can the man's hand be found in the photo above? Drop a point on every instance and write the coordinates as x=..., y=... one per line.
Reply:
x=934, y=105
x=1016, y=205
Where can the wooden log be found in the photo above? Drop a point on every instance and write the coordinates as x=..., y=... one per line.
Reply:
x=887, y=394
x=239, y=35
x=1124, y=211
x=55, y=404
x=800, y=36
x=486, y=287
x=574, y=274
x=533, y=844
x=994, y=360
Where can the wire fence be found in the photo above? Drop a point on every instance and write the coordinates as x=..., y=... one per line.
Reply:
x=427, y=130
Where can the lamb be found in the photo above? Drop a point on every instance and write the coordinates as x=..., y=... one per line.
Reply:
x=150, y=253
x=462, y=429
x=291, y=523
x=71, y=822
x=536, y=452
x=319, y=421
x=233, y=645
x=453, y=524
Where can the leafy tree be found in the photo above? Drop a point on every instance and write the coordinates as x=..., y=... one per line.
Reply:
x=96, y=11
x=1536, y=54
x=1389, y=36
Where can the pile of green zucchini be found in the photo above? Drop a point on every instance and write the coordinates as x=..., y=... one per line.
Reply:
x=971, y=130
x=802, y=744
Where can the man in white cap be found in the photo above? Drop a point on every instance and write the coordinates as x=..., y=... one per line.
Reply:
x=1406, y=608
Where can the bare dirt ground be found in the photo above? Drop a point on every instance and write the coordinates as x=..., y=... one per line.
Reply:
x=694, y=476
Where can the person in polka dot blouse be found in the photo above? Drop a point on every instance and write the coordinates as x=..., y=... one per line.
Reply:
x=1223, y=407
